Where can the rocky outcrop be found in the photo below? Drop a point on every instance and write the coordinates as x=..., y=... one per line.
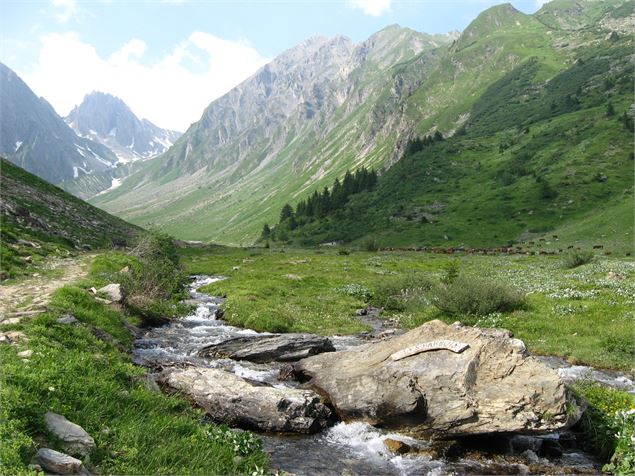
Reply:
x=269, y=348
x=235, y=401
x=59, y=463
x=74, y=438
x=444, y=380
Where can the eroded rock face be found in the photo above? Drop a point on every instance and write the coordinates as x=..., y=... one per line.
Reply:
x=269, y=348
x=233, y=400
x=75, y=439
x=490, y=386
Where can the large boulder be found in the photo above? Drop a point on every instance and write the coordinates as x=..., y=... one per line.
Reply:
x=444, y=380
x=235, y=401
x=269, y=348
x=74, y=438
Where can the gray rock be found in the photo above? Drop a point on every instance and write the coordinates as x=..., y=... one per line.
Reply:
x=68, y=319
x=25, y=354
x=493, y=386
x=74, y=438
x=235, y=401
x=269, y=348
x=113, y=291
x=57, y=462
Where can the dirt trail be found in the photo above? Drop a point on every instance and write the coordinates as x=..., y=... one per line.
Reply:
x=30, y=296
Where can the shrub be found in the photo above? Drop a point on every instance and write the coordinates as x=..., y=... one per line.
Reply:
x=151, y=278
x=476, y=296
x=402, y=293
x=343, y=252
x=451, y=272
x=577, y=258
x=370, y=244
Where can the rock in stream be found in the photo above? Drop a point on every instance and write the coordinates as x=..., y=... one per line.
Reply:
x=445, y=380
x=269, y=348
x=235, y=401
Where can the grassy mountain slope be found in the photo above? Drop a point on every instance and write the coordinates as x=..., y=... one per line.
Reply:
x=39, y=219
x=534, y=156
x=223, y=178
x=506, y=71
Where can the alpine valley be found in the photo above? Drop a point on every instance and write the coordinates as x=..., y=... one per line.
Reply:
x=409, y=255
x=535, y=112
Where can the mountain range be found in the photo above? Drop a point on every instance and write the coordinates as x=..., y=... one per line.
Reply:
x=108, y=120
x=328, y=105
x=85, y=158
x=532, y=117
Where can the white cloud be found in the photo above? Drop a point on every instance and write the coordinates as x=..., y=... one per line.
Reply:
x=171, y=92
x=374, y=8
x=64, y=10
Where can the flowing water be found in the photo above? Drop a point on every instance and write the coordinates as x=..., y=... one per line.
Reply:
x=345, y=448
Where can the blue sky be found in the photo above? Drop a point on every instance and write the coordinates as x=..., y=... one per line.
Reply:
x=168, y=59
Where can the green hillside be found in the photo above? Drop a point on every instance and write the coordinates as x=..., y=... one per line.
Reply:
x=40, y=219
x=535, y=157
x=235, y=169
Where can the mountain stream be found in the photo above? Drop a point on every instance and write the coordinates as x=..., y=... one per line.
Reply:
x=356, y=448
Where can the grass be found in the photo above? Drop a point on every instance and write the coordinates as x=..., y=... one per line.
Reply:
x=608, y=425
x=584, y=314
x=87, y=376
x=136, y=430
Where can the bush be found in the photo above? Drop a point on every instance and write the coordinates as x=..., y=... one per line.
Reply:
x=151, y=277
x=577, y=258
x=476, y=296
x=608, y=425
x=403, y=293
x=370, y=244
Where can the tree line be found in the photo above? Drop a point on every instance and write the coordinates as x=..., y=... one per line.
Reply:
x=320, y=204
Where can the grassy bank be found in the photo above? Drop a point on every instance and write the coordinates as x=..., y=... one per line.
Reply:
x=584, y=314
x=85, y=373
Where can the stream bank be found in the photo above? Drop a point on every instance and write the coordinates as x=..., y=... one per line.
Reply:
x=356, y=448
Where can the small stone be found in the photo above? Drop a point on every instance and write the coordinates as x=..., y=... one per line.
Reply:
x=102, y=301
x=531, y=456
x=34, y=467
x=57, y=462
x=12, y=337
x=10, y=321
x=397, y=447
x=293, y=277
x=238, y=460
x=28, y=259
x=113, y=291
x=124, y=270
x=74, y=437
x=235, y=268
x=93, y=290
x=25, y=354
x=68, y=319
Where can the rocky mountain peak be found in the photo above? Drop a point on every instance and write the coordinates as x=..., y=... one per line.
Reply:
x=107, y=119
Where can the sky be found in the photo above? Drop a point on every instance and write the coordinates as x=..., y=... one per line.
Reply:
x=168, y=59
